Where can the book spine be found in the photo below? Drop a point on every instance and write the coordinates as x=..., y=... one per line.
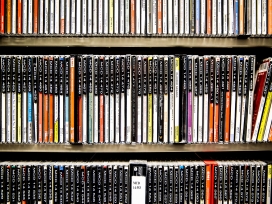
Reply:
x=155, y=184
x=112, y=99
x=200, y=99
x=61, y=99
x=160, y=184
x=51, y=99
x=161, y=101
x=222, y=99
x=171, y=101
x=206, y=98
x=35, y=99
x=122, y=100
x=19, y=99
x=45, y=102
x=181, y=183
x=154, y=17
x=228, y=99
x=165, y=101
x=139, y=99
x=24, y=101
x=107, y=99
x=230, y=18
x=78, y=100
x=159, y=17
x=8, y=99
x=84, y=100
x=101, y=88
x=234, y=81
x=40, y=100
x=239, y=99
x=189, y=79
x=14, y=102
x=150, y=101
x=181, y=17
x=217, y=98
x=95, y=101
x=177, y=98
x=128, y=97
x=55, y=181
x=67, y=99
x=134, y=100
x=155, y=98
x=195, y=97
x=117, y=98
x=184, y=119
x=165, y=184
x=56, y=99
x=245, y=99
x=247, y=183
x=144, y=99
x=72, y=99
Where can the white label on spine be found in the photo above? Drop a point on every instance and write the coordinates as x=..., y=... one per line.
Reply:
x=35, y=133
x=30, y=16
x=143, y=17
x=13, y=30
x=138, y=16
x=203, y=17
x=205, y=115
x=186, y=18
x=170, y=17
x=84, y=18
x=112, y=119
x=259, y=17
x=225, y=17
x=8, y=109
x=78, y=17
x=116, y=16
x=154, y=17
x=138, y=185
x=52, y=20
x=13, y=117
x=238, y=118
x=67, y=18
x=155, y=118
x=165, y=119
x=106, y=17
x=41, y=13
x=25, y=16
x=253, y=18
x=231, y=17
x=100, y=16
x=117, y=116
x=122, y=118
x=232, y=119
x=4, y=118
x=56, y=115
x=61, y=119
x=122, y=17
x=94, y=16
x=164, y=17
x=127, y=19
x=62, y=17
x=264, y=17
x=214, y=14
x=57, y=22
x=73, y=16
x=176, y=20
x=84, y=128
x=219, y=17
x=139, y=119
x=144, y=119
x=90, y=17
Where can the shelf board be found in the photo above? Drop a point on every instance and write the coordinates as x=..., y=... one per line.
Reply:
x=113, y=148
x=188, y=42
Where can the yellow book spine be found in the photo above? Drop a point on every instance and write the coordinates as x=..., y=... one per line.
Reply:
x=150, y=105
x=19, y=118
x=176, y=101
x=269, y=174
x=265, y=116
x=111, y=17
x=56, y=131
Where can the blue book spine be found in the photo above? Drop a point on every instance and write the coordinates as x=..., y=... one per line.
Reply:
x=197, y=12
x=236, y=17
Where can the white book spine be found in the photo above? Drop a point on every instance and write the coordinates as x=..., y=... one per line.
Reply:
x=172, y=109
x=117, y=117
x=116, y=16
x=25, y=13
x=170, y=17
x=106, y=16
x=232, y=117
x=214, y=17
x=67, y=17
x=84, y=17
x=206, y=122
x=90, y=17
x=73, y=16
x=128, y=99
x=122, y=110
x=176, y=17
x=122, y=17
x=13, y=117
x=84, y=125
x=4, y=118
x=154, y=17
x=62, y=16
x=264, y=17
x=94, y=16
x=35, y=133
x=56, y=114
x=51, y=17
x=138, y=17
x=242, y=117
x=127, y=16
x=145, y=121
x=225, y=17
x=259, y=17
x=148, y=17
x=24, y=118
x=203, y=17
x=155, y=107
x=165, y=119
x=200, y=108
x=100, y=16
x=30, y=16
x=96, y=119
x=8, y=119
x=13, y=13
x=61, y=119
x=143, y=17
x=78, y=17
x=139, y=102
x=177, y=93
x=112, y=119
x=107, y=120
x=186, y=18
x=181, y=17
x=41, y=16
x=268, y=125
x=195, y=107
x=57, y=14
x=254, y=18
x=231, y=17
x=258, y=120
x=164, y=17
x=238, y=118
x=219, y=17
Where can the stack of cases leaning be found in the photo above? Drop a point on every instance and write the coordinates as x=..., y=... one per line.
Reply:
x=94, y=99
x=136, y=17
x=208, y=181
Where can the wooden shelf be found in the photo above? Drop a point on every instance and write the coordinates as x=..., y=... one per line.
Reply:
x=113, y=148
x=188, y=42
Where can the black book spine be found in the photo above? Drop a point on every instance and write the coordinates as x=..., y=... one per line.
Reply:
x=99, y=188
x=7, y=184
x=126, y=185
x=106, y=92
x=231, y=182
x=66, y=185
x=105, y=184
x=161, y=97
x=150, y=92
x=187, y=184
x=56, y=184
x=196, y=93
x=176, y=185
x=50, y=183
x=226, y=183
x=155, y=93
x=115, y=184
x=264, y=184
x=258, y=184
x=44, y=185
x=8, y=70
x=134, y=100
x=139, y=95
x=29, y=183
x=184, y=100
x=165, y=185
x=155, y=184
x=89, y=99
x=247, y=183
x=39, y=183
x=121, y=183
x=197, y=184
x=192, y=16
x=189, y=81
x=61, y=75
x=110, y=188
x=149, y=185
x=77, y=184
x=13, y=185
x=3, y=71
x=171, y=184
x=200, y=98
x=222, y=99
x=246, y=93
x=236, y=184
x=165, y=93
x=215, y=181
x=18, y=184
x=242, y=183
x=160, y=184
x=217, y=98
x=35, y=82
x=24, y=187
x=202, y=183
x=82, y=184
x=192, y=184
x=117, y=98
x=88, y=185
x=61, y=186
x=220, y=183
x=94, y=184
x=253, y=184
x=34, y=183
x=181, y=184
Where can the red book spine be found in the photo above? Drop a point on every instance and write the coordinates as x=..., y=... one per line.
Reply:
x=2, y=26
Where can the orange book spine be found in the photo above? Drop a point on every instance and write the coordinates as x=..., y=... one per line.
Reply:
x=80, y=118
x=132, y=12
x=72, y=99
x=45, y=117
x=101, y=119
x=35, y=19
x=209, y=17
x=216, y=122
x=208, y=183
x=40, y=132
x=159, y=16
x=241, y=17
x=8, y=16
x=270, y=134
x=19, y=17
x=211, y=123
x=51, y=117
x=269, y=17
x=227, y=112
x=2, y=27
